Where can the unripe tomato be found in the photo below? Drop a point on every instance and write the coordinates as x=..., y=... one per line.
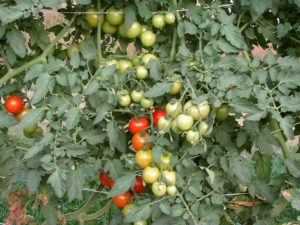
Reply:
x=108, y=28
x=133, y=31
x=141, y=222
x=147, y=103
x=135, y=61
x=158, y=21
x=159, y=189
x=141, y=72
x=127, y=208
x=170, y=177
x=20, y=116
x=147, y=57
x=203, y=128
x=30, y=131
x=148, y=38
x=106, y=179
x=137, y=96
x=176, y=87
x=115, y=16
x=193, y=136
x=138, y=124
x=192, y=110
x=122, y=31
x=184, y=122
x=158, y=113
x=144, y=158
x=14, y=104
x=174, y=108
x=91, y=17
x=71, y=50
x=164, y=124
x=165, y=161
x=124, y=100
x=172, y=190
x=124, y=65
x=122, y=199
x=222, y=112
x=122, y=92
x=169, y=18
x=112, y=62
x=139, y=185
x=204, y=109
x=175, y=128
x=139, y=141
x=151, y=174
x=80, y=46
x=145, y=28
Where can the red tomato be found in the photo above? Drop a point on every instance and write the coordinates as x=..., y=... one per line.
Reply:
x=139, y=141
x=138, y=124
x=122, y=199
x=106, y=179
x=14, y=104
x=139, y=186
x=157, y=114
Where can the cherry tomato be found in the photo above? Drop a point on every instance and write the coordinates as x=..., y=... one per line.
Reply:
x=204, y=109
x=132, y=32
x=164, y=124
x=137, y=95
x=171, y=190
x=159, y=189
x=14, y=104
x=91, y=17
x=184, y=122
x=106, y=179
x=29, y=132
x=222, y=112
x=138, y=124
x=169, y=18
x=135, y=61
x=158, y=113
x=193, y=136
x=175, y=128
x=127, y=208
x=165, y=161
x=192, y=110
x=140, y=222
x=141, y=72
x=147, y=103
x=108, y=28
x=173, y=108
x=203, y=128
x=139, y=141
x=139, y=185
x=124, y=100
x=20, y=116
x=115, y=16
x=158, y=21
x=170, y=177
x=122, y=199
x=122, y=31
x=147, y=57
x=148, y=38
x=144, y=158
x=124, y=65
x=151, y=174
x=176, y=87
x=72, y=49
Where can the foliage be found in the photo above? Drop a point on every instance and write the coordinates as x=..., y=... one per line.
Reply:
x=243, y=172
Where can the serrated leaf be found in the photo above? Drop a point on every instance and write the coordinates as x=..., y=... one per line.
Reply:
x=122, y=185
x=158, y=89
x=138, y=213
x=43, y=85
x=73, y=118
x=287, y=125
x=114, y=167
x=154, y=69
x=112, y=131
x=283, y=29
x=17, y=42
x=75, y=60
x=263, y=166
x=130, y=16
x=270, y=58
x=75, y=184
x=7, y=120
x=165, y=207
x=234, y=36
x=58, y=181
x=89, y=49
x=143, y=10
x=211, y=175
x=190, y=28
x=290, y=103
x=92, y=88
x=177, y=210
x=34, y=72
x=75, y=150
x=34, y=178
x=32, y=117
x=245, y=106
x=101, y=112
x=36, y=149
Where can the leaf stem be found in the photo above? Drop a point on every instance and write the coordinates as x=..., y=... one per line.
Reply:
x=99, y=213
x=187, y=208
x=99, y=52
x=174, y=42
x=182, y=39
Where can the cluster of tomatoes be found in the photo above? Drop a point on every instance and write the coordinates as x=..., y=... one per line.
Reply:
x=15, y=105
x=113, y=22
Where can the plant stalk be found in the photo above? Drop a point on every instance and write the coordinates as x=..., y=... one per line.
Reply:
x=174, y=42
x=99, y=51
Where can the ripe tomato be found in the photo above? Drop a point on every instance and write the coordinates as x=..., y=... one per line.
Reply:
x=165, y=161
x=139, y=185
x=122, y=199
x=115, y=16
x=71, y=50
x=148, y=38
x=20, y=116
x=14, y=104
x=157, y=114
x=141, y=72
x=193, y=136
x=170, y=177
x=139, y=141
x=169, y=18
x=137, y=95
x=108, y=28
x=173, y=108
x=158, y=21
x=138, y=124
x=91, y=17
x=106, y=179
x=222, y=112
x=131, y=32
x=171, y=190
x=147, y=57
x=147, y=103
x=184, y=122
x=159, y=189
x=124, y=65
x=140, y=222
x=164, y=124
x=151, y=174
x=176, y=87
x=144, y=158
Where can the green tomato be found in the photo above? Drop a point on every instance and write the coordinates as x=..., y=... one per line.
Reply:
x=170, y=18
x=133, y=31
x=122, y=31
x=140, y=222
x=170, y=177
x=175, y=128
x=158, y=21
x=147, y=57
x=91, y=17
x=122, y=92
x=184, y=122
x=115, y=16
x=135, y=61
x=71, y=50
x=137, y=96
x=124, y=65
x=193, y=136
x=159, y=189
x=174, y=108
x=172, y=190
x=141, y=72
x=176, y=87
x=222, y=112
x=164, y=123
x=147, y=103
x=124, y=100
x=148, y=38
x=204, y=109
x=192, y=110
x=203, y=128
x=108, y=28
x=29, y=132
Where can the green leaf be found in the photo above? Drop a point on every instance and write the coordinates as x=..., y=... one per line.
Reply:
x=154, y=67
x=211, y=175
x=258, y=7
x=34, y=72
x=143, y=10
x=165, y=207
x=75, y=184
x=58, y=181
x=92, y=88
x=122, y=185
x=190, y=28
x=287, y=125
x=73, y=118
x=75, y=150
x=32, y=117
x=75, y=60
x=114, y=167
x=43, y=85
x=245, y=106
x=270, y=58
x=83, y=2
x=89, y=49
x=17, y=42
x=112, y=132
x=183, y=51
x=177, y=210
x=198, y=149
x=138, y=213
x=7, y=120
x=217, y=199
x=101, y=112
x=34, y=178
x=130, y=16
x=225, y=47
x=158, y=89
x=283, y=29
x=224, y=18
x=263, y=166
x=293, y=166
x=234, y=36
x=36, y=149
x=290, y=103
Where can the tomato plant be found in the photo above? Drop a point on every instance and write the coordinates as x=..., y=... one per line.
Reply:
x=222, y=145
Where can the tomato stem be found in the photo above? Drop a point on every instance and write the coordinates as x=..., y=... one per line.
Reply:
x=174, y=42
x=99, y=33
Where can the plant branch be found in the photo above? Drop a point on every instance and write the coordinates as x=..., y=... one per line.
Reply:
x=174, y=42
x=182, y=39
x=99, y=213
x=99, y=52
x=12, y=73
x=6, y=63
x=188, y=209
